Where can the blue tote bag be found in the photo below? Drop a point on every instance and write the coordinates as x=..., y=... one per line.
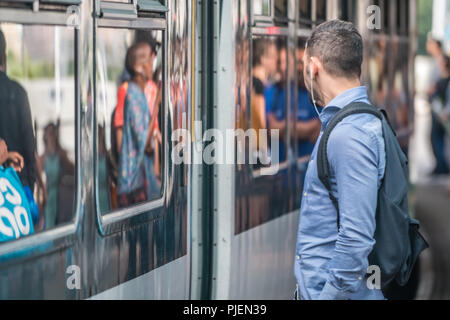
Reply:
x=15, y=214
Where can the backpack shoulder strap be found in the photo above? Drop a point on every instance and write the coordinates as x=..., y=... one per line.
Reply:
x=322, y=155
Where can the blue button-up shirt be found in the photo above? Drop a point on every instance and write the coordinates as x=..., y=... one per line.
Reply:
x=332, y=264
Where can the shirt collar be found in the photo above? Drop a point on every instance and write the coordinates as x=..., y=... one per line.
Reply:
x=358, y=94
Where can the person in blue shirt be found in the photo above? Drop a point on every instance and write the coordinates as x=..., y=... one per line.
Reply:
x=307, y=125
x=332, y=263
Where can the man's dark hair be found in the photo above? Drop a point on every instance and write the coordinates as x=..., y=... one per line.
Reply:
x=2, y=48
x=339, y=46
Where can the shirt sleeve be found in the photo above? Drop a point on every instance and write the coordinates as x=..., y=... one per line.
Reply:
x=353, y=157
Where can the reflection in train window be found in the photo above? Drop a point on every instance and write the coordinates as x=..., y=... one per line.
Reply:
x=321, y=11
x=402, y=17
x=129, y=99
x=281, y=9
x=347, y=10
x=37, y=108
x=386, y=16
x=305, y=13
x=268, y=94
x=307, y=125
x=262, y=7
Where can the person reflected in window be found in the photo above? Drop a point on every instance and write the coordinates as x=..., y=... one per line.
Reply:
x=137, y=182
x=151, y=92
x=276, y=99
x=308, y=124
x=16, y=126
x=57, y=166
x=260, y=74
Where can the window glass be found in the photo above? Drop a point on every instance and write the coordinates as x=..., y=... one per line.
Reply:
x=386, y=15
x=269, y=96
x=307, y=125
x=402, y=17
x=37, y=107
x=321, y=11
x=347, y=10
x=261, y=7
x=129, y=100
x=281, y=9
x=305, y=13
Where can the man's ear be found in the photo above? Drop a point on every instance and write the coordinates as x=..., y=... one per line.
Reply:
x=314, y=65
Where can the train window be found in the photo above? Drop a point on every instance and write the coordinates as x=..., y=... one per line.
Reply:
x=386, y=16
x=308, y=124
x=281, y=10
x=321, y=11
x=152, y=5
x=130, y=121
x=305, y=13
x=262, y=8
x=402, y=17
x=38, y=81
x=347, y=10
x=269, y=96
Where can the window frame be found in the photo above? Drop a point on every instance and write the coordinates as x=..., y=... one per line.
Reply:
x=305, y=24
x=65, y=235
x=316, y=22
x=348, y=12
x=272, y=19
x=115, y=221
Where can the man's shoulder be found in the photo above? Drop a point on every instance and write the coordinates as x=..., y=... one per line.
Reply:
x=363, y=122
x=358, y=128
x=17, y=89
x=13, y=88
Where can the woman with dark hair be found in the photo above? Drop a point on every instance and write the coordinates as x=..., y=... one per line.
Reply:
x=56, y=165
x=137, y=182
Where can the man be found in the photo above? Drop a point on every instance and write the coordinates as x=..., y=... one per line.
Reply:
x=16, y=126
x=332, y=264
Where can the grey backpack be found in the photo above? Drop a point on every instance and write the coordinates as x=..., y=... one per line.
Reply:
x=398, y=241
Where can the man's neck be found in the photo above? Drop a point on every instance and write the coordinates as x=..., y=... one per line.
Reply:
x=335, y=87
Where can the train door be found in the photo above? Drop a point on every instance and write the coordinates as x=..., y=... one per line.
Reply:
x=142, y=247
x=39, y=108
x=254, y=227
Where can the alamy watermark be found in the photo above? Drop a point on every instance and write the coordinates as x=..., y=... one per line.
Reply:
x=374, y=278
x=230, y=147
x=73, y=281
x=374, y=17
x=73, y=17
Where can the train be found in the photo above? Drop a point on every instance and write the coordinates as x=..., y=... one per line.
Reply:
x=211, y=231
